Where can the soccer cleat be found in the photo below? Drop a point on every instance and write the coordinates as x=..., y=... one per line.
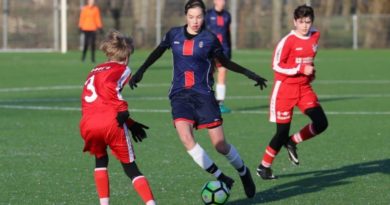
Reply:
x=265, y=173
x=224, y=109
x=292, y=152
x=249, y=185
x=227, y=180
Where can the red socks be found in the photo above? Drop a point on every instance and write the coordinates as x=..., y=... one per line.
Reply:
x=268, y=157
x=102, y=185
x=306, y=133
x=142, y=187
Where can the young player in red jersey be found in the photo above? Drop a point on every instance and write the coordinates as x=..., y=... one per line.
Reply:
x=294, y=71
x=105, y=118
x=193, y=103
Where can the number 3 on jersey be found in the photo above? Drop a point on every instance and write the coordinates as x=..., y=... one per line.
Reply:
x=90, y=87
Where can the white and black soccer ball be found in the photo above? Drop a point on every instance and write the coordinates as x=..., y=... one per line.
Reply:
x=215, y=193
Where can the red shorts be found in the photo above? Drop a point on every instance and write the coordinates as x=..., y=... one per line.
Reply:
x=286, y=96
x=101, y=130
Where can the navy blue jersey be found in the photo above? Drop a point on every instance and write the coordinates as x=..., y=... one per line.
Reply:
x=193, y=64
x=219, y=24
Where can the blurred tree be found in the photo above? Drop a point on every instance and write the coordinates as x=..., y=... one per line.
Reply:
x=140, y=23
x=277, y=18
x=378, y=28
x=116, y=8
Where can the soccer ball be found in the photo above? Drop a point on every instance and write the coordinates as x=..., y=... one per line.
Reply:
x=215, y=192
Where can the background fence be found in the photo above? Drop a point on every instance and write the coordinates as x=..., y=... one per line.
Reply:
x=35, y=24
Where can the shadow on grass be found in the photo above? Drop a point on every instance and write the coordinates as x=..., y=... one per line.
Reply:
x=316, y=181
x=266, y=106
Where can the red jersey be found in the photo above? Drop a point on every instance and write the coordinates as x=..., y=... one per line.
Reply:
x=102, y=89
x=291, y=55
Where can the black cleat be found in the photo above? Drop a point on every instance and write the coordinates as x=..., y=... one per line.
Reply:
x=249, y=185
x=292, y=152
x=227, y=180
x=265, y=173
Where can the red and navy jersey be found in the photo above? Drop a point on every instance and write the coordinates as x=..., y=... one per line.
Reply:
x=102, y=89
x=291, y=55
x=193, y=64
x=219, y=24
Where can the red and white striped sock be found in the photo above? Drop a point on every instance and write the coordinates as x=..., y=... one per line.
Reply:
x=304, y=134
x=269, y=156
x=141, y=185
x=102, y=185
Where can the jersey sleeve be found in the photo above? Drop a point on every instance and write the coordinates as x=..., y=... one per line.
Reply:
x=280, y=59
x=166, y=42
x=81, y=18
x=118, y=80
x=98, y=19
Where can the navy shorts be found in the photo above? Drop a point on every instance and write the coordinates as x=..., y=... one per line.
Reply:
x=199, y=109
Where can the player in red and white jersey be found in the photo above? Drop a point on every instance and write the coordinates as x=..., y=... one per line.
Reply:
x=105, y=118
x=294, y=71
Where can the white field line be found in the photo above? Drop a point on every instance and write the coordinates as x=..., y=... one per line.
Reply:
x=163, y=98
x=73, y=87
x=57, y=108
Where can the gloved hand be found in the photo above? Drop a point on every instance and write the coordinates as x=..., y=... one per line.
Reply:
x=138, y=131
x=259, y=80
x=136, y=78
x=121, y=117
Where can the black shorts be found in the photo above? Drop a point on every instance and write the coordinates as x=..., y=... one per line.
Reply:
x=199, y=109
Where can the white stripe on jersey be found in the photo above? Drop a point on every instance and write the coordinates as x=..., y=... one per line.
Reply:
x=129, y=144
x=272, y=107
x=122, y=81
x=276, y=60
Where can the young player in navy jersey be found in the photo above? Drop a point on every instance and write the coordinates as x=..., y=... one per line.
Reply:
x=192, y=99
x=218, y=21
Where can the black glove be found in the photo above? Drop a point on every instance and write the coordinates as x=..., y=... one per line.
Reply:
x=138, y=131
x=101, y=31
x=136, y=78
x=80, y=31
x=259, y=80
x=121, y=117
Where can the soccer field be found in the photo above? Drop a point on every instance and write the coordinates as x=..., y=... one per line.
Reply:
x=41, y=148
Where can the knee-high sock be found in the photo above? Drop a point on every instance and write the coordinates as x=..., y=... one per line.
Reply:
x=268, y=157
x=203, y=160
x=304, y=134
x=235, y=160
x=102, y=185
x=141, y=185
x=220, y=92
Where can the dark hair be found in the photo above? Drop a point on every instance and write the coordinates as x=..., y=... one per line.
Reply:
x=304, y=11
x=193, y=4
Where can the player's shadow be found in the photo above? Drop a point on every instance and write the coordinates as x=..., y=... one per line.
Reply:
x=316, y=181
x=331, y=99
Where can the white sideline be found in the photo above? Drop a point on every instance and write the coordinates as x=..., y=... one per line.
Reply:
x=20, y=107
x=71, y=87
x=155, y=98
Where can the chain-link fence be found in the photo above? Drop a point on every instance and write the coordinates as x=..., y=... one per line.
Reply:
x=34, y=24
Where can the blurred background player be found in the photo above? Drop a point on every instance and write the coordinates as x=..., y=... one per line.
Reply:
x=90, y=22
x=218, y=21
x=192, y=99
x=294, y=71
x=105, y=118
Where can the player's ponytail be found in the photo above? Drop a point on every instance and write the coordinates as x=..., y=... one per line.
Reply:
x=193, y=4
x=116, y=46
